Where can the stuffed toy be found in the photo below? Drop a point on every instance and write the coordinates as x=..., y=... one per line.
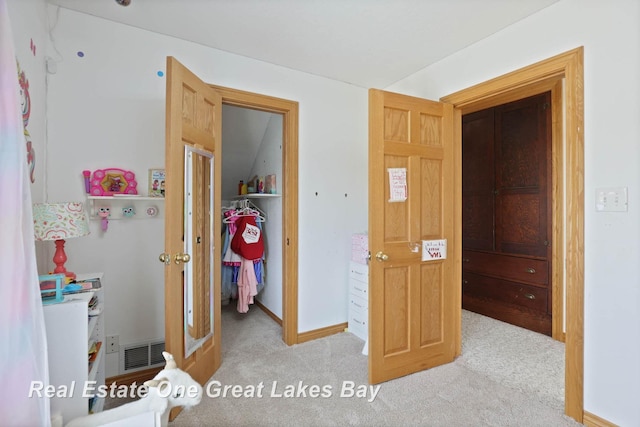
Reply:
x=171, y=387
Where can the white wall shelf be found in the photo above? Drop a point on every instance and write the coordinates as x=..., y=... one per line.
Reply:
x=145, y=207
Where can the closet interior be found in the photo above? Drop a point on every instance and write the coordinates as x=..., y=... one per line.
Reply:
x=251, y=218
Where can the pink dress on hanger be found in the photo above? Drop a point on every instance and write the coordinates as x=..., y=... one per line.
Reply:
x=247, y=285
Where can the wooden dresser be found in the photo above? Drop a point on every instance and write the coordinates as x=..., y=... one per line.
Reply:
x=511, y=288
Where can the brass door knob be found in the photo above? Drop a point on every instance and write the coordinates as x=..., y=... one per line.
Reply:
x=380, y=256
x=164, y=258
x=185, y=258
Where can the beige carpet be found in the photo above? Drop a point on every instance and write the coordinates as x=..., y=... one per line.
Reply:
x=506, y=376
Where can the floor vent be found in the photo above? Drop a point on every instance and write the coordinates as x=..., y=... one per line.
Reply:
x=136, y=357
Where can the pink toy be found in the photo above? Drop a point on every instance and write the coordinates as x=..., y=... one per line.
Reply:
x=107, y=182
x=104, y=214
x=87, y=180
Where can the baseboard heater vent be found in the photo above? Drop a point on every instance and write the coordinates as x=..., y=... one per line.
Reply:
x=137, y=357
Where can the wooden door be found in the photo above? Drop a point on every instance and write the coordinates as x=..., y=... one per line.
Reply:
x=193, y=113
x=414, y=305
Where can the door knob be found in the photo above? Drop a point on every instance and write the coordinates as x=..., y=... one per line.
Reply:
x=185, y=258
x=164, y=258
x=380, y=256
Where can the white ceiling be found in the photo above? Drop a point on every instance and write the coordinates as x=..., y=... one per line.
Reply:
x=368, y=43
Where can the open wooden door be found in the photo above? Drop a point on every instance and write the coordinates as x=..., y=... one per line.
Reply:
x=192, y=232
x=414, y=305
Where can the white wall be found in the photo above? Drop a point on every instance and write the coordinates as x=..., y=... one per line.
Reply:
x=107, y=110
x=610, y=34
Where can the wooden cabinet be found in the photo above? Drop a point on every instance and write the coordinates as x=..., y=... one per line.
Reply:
x=506, y=203
x=359, y=300
x=73, y=328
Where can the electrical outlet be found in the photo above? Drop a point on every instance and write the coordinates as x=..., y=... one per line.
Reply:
x=113, y=345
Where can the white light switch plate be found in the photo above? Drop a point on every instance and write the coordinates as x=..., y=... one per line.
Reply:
x=611, y=199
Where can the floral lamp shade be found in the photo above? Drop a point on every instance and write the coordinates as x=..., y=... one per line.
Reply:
x=56, y=221
x=60, y=221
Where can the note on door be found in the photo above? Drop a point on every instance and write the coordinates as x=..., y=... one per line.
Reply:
x=397, y=184
x=433, y=250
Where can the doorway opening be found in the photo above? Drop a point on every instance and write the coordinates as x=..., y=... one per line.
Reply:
x=563, y=76
x=282, y=112
x=251, y=153
x=507, y=213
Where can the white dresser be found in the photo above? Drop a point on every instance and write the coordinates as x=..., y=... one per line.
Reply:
x=359, y=300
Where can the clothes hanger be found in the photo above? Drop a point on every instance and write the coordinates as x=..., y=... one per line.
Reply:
x=254, y=210
x=244, y=207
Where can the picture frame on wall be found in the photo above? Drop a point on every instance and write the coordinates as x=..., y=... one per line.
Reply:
x=156, y=182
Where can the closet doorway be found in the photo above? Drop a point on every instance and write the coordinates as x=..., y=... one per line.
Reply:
x=507, y=211
x=563, y=76
x=276, y=119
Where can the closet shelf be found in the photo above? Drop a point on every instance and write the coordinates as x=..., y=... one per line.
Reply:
x=256, y=196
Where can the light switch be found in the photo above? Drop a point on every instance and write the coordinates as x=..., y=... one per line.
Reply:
x=612, y=199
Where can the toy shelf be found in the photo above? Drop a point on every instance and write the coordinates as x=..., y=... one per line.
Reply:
x=71, y=329
x=145, y=207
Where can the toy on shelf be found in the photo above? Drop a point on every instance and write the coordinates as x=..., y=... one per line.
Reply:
x=104, y=213
x=107, y=182
x=152, y=211
x=128, y=212
x=87, y=180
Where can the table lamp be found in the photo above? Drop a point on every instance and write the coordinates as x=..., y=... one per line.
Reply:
x=60, y=221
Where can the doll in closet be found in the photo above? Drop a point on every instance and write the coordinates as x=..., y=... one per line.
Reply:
x=243, y=256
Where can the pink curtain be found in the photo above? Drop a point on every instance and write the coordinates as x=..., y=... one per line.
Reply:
x=23, y=345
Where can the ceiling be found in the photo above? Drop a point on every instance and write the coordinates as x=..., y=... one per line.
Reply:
x=367, y=43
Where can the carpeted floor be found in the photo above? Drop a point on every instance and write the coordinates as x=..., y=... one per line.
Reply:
x=506, y=376
x=526, y=361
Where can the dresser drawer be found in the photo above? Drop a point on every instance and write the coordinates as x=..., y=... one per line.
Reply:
x=359, y=271
x=359, y=304
x=504, y=291
x=521, y=269
x=359, y=289
x=359, y=324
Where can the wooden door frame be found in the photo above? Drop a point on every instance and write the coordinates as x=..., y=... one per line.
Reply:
x=289, y=111
x=563, y=75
